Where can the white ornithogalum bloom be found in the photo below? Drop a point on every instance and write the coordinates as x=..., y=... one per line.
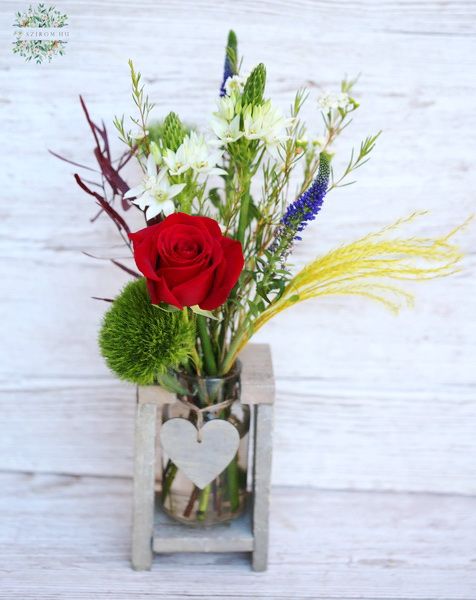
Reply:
x=266, y=123
x=235, y=84
x=200, y=156
x=203, y=158
x=333, y=101
x=226, y=107
x=196, y=154
x=154, y=195
x=227, y=131
x=177, y=162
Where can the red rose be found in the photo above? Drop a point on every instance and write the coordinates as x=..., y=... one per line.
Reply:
x=187, y=261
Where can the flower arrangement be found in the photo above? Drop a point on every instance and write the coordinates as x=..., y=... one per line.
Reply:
x=213, y=260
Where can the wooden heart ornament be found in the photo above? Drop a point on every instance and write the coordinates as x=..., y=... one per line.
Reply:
x=201, y=461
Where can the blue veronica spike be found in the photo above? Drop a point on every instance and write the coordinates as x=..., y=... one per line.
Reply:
x=303, y=210
x=227, y=72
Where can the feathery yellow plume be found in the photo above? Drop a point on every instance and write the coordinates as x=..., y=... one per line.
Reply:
x=361, y=268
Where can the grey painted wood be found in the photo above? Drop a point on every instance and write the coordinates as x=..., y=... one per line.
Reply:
x=144, y=485
x=257, y=378
x=202, y=460
x=263, y=451
x=171, y=536
x=67, y=538
x=154, y=394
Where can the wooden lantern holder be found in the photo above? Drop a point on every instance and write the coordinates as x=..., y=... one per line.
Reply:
x=152, y=530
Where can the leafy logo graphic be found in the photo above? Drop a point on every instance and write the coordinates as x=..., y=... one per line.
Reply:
x=41, y=33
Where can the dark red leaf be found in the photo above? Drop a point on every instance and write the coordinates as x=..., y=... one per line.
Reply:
x=71, y=162
x=126, y=269
x=92, y=125
x=111, y=212
x=103, y=157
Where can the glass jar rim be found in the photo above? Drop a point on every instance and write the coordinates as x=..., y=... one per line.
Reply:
x=233, y=373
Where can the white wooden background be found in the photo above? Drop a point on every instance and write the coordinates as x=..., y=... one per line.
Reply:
x=368, y=404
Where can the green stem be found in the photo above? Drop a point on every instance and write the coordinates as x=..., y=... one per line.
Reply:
x=209, y=357
x=233, y=484
x=222, y=336
x=244, y=205
x=245, y=202
x=233, y=349
x=194, y=354
x=203, y=503
x=169, y=476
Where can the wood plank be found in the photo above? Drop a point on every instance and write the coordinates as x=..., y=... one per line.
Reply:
x=154, y=394
x=144, y=485
x=171, y=536
x=257, y=378
x=68, y=538
x=262, y=463
x=328, y=434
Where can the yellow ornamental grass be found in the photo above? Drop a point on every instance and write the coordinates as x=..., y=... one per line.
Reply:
x=367, y=267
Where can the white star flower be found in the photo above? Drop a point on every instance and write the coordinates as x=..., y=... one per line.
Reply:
x=177, y=162
x=226, y=107
x=235, y=84
x=332, y=101
x=202, y=159
x=196, y=154
x=227, y=132
x=154, y=195
x=266, y=123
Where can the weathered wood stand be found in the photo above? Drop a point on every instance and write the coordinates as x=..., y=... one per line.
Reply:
x=153, y=531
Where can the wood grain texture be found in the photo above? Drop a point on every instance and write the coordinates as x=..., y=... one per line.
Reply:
x=381, y=403
x=68, y=538
x=171, y=536
x=258, y=384
x=144, y=485
x=262, y=463
x=349, y=437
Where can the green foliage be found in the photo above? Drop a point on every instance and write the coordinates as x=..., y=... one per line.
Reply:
x=232, y=51
x=155, y=131
x=366, y=147
x=139, y=340
x=253, y=92
x=173, y=131
x=232, y=41
x=144, y=107
x=168, y=133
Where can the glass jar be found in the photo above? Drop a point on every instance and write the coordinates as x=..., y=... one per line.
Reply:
x=225, y=497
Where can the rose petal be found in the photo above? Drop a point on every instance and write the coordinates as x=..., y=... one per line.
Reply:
x=193, y=291
x=226, y=276
x=159, y=292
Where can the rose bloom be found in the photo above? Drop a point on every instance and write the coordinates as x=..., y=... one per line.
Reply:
x=187, y=261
